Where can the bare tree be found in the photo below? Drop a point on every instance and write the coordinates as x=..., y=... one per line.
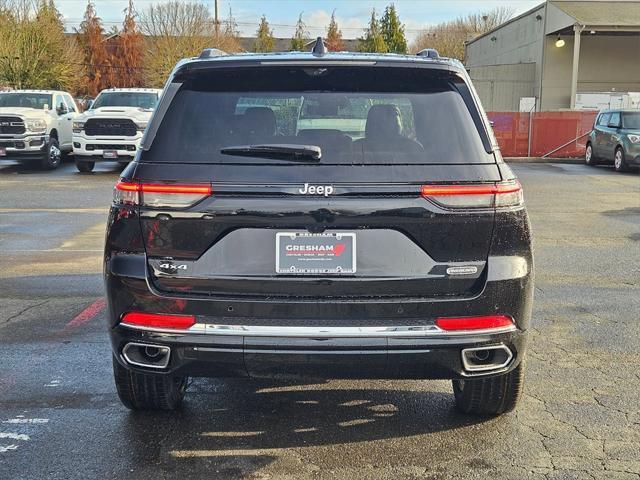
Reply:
x=449, y=37
x=300, y=36
x=174, y=30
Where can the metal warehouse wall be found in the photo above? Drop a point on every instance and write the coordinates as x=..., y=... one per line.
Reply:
x=500, y=87
x=515, y=49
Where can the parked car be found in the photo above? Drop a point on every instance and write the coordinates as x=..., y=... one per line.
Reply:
x=239, y=244
x=615, y=139
x=112, y=128
x=35, y=125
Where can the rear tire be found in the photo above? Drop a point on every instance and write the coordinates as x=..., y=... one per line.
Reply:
x=619, y=162
x=491, y=395
x=53, y=156
x=148, y=391
x=84, y=166
x=589, y=157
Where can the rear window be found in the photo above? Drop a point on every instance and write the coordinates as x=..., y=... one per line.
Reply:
x=355, y=115
x=631, y=120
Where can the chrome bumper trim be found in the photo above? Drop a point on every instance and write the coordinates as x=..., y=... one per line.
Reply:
x=422, y=331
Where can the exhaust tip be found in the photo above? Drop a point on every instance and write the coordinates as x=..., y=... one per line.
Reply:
x=486, y=359
x=146, y=355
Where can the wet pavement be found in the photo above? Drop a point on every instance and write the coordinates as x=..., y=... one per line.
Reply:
x=580, y=417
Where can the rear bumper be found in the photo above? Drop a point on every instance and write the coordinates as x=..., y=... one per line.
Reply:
x=385, y=355
x=330, y=338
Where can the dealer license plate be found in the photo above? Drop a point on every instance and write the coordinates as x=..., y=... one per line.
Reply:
x=315, y=253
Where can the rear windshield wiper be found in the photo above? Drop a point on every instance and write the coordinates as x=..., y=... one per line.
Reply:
x=283, y=151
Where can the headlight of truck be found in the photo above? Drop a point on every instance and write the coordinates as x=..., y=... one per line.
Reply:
x=78, y=127
x=634, y=138
x=141, y=126
x=36, y=126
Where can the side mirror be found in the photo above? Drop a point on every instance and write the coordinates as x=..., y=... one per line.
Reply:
x=613, y=125
x=90, y=104
x=62, y=109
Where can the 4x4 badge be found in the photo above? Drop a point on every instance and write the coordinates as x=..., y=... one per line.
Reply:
x=173, y=266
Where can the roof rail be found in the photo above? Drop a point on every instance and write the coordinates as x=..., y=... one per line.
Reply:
x=319, y=48
x=211, y=52
x=428, y=53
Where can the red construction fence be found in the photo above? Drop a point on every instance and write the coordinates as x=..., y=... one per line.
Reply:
x=549, y=130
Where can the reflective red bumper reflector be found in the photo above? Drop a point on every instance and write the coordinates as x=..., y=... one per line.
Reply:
x=159, y=320
x=474, y=323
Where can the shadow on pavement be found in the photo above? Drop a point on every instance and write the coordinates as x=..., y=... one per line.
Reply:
x=241, y=425
x=9, y=167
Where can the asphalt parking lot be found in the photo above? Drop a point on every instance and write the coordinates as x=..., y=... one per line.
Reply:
x=580, y=418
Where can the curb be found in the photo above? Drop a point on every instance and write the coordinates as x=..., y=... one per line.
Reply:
x=574, y=161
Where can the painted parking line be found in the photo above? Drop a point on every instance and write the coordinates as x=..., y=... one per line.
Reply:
x=87, y=314
x=55, y=210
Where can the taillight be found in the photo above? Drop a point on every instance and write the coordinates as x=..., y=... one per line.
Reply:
x=159, y=320
x=475, y=195
x=474, y=323
x=159, y=194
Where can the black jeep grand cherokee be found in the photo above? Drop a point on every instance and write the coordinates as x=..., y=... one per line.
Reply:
x=329, y=215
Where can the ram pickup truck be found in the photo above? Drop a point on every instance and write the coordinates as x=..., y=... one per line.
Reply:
x=35, y=126
x=111, y=130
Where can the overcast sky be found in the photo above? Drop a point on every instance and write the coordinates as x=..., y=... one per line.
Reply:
x=352, y=15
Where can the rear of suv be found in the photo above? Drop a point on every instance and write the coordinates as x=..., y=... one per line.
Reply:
x=325, y=215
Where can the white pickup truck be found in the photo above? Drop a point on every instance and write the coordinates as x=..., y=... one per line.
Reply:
x=36, y=125
x=112, y=128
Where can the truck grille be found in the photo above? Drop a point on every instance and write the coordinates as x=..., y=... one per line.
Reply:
x=11, y=125
x=96, y=146
x=117, y=127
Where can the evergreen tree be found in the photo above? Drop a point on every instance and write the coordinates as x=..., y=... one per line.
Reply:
x=264, y=37
x=300, y=37
x=90, y=37
x=373, y=41
x=129, y=52
x=334, y=35
x=393, y=30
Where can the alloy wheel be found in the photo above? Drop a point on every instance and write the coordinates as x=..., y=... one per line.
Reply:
x=617, y=159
